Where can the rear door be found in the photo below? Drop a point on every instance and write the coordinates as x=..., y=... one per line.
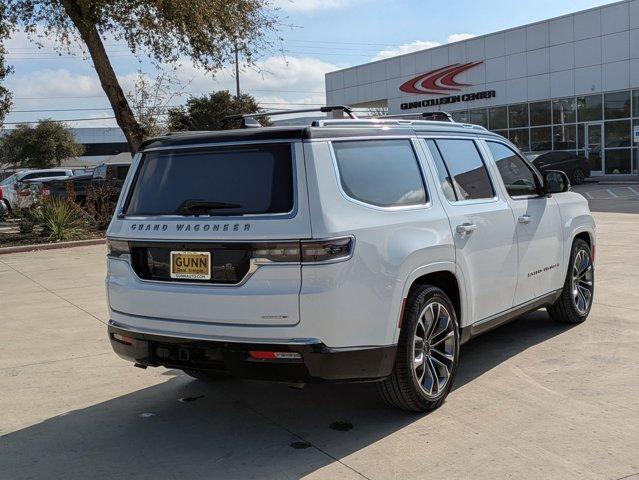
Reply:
x=244, y=207
x=482, y=223
x=539, y=231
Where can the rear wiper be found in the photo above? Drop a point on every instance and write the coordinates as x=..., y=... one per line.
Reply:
x=199, y=207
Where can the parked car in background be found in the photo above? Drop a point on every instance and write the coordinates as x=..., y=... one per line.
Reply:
x=16, y=190
x=575, y=166
x=115, y=172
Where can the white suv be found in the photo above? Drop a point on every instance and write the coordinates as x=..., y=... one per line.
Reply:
x=350, y=250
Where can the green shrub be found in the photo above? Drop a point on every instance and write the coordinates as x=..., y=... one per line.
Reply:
x=61, y=220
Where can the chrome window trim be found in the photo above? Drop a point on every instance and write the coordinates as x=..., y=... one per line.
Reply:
x=419, y=206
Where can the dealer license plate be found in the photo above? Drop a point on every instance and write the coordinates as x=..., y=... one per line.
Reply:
x=191, y=265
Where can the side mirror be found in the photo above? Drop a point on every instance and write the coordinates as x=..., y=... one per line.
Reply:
x=555, y=181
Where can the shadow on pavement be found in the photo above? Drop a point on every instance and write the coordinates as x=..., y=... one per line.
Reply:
x=233, y=429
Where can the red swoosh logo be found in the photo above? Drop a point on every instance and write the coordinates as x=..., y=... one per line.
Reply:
x=441, y=80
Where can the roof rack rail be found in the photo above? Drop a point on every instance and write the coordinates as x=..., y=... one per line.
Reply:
x=248, y=119
x=435, y=116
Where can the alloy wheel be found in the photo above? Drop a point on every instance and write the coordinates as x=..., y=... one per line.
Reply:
x=582, y=282
x=434, y=346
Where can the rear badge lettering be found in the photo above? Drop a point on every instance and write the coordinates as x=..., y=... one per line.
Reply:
x=187, y=227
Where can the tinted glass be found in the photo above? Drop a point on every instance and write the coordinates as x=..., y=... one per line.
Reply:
x=442, y=172
x=540, y=139
x=589, y=108
x=564, y=137
x=222, y=181
x=121, y=172
x=479, y=116
x=540, y=113
x=467, y=169
x=518, y=115
x=380, y=172
x=635, y=103
x=43, y=175
x=617, y=105
x=520, y=138
x=498, y=118
x=518, y=178
x=461, y=116
x=618, y=161
x=564, y=110
x=617, y=134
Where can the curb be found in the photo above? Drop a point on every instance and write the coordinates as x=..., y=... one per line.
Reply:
x=51, y=246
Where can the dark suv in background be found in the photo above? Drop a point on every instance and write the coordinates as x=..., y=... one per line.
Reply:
x=576, y=167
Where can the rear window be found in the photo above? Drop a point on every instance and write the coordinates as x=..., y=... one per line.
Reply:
x=221, y=181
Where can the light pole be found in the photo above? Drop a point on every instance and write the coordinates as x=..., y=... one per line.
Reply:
x=237, y=72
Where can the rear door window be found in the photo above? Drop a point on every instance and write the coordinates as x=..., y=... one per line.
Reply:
x=384, y=173
x=467, y=169
x=237, y=180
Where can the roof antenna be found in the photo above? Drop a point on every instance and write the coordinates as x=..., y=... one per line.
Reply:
x=249, y=122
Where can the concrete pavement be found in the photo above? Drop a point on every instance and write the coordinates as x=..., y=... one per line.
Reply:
x=533, y=399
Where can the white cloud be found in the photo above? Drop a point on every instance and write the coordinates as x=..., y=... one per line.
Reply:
x=458, y=37
x=418, y=45
x=405, y=48
x=311, y=5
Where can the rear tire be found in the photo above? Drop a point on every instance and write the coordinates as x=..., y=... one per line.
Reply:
x=575, y=301
x=208, y=375
x=427, y=353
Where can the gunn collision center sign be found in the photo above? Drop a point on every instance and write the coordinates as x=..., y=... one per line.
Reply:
x=442, y=81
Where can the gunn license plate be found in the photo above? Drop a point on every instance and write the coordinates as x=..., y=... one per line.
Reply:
x=191, y=265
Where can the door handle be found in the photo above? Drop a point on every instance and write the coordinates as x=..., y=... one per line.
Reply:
x=466, y=229
x=525, y=219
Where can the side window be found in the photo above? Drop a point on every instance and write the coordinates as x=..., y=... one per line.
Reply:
x=380, y=172
x=442, y=172
x=466, y=167
x=518, y=177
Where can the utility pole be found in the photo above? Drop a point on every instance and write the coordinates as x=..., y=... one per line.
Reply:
x=237, y=72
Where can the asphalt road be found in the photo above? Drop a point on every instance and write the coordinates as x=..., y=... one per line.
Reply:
x=533, y=399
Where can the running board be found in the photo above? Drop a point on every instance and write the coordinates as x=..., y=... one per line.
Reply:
x=495, y=321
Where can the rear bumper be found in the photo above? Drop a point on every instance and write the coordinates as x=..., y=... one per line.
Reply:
x=318, y=363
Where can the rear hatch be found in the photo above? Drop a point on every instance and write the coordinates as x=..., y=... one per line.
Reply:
x=211, y=234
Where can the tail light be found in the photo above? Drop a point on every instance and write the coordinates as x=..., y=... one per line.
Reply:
x=117, y=248
x=1, y=194
x=306, y=251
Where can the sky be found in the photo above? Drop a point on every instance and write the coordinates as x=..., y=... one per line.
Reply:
x=319, y=36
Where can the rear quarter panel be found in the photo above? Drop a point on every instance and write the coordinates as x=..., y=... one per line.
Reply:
x=576, y=218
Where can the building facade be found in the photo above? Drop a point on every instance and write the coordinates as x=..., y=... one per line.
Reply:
x=569, y=83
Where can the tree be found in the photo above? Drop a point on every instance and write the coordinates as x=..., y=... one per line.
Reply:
x=44, y=146
x=150, y=97
x=206, y=112
x=205, y=31
x=5, y=95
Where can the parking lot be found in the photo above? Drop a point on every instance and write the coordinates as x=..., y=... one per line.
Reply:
x=533, y=399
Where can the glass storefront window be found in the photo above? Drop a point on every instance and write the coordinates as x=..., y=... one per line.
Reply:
x=617, y=134
x=564, y=110
x=564, y=137
x=617, y=105
x=589, y=108
x=540, y=113
x=518, y=115
x=618, y=161
x=503, y=133
x=461, y=116
x=581, y=135
x=478, y=116
x=520, y=138
x=635, y=103
x=498, y=118
x=540, y=139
